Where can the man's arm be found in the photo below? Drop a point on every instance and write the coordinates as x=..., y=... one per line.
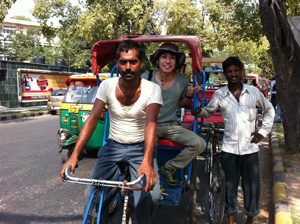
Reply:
x=85, y=134
x=267, y=120
x=150, y=137
x=209, y=109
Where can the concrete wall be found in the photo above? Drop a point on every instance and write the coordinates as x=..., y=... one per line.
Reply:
x=9, y=81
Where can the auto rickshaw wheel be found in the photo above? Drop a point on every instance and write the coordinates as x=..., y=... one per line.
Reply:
x=66, y=153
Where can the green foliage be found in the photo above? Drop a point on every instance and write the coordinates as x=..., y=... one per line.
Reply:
x=183, y=17
x=113, y=19
x=292, y=7
x=76, y=53
x=101, y=20
x=5, y=5
x=24, y=47
x=20, y=18
x=227, y=27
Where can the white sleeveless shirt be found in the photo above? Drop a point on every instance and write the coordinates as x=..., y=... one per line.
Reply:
x=127, y=123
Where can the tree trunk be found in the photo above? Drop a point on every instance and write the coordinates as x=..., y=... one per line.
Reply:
x=286, y=60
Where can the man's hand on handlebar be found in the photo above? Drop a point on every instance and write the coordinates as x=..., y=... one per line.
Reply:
x=198, y=111
x=73, y=162
x=150, y=176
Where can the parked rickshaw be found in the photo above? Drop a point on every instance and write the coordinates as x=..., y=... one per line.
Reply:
x=75, y=109
x=262, y=83
x=103, y=52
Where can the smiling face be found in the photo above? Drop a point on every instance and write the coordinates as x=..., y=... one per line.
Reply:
x=129, y=65
x=233, y=74
x=167, y=62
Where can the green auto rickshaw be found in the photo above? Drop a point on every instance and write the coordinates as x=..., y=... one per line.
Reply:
x=74, y=111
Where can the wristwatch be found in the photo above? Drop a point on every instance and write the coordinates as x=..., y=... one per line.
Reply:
x=189, y=97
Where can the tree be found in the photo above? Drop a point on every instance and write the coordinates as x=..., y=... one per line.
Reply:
x=4, y=6
x=112, y=19
x=21, y=18
x=286, y=60
x=102, y=19
x=72, y=48
x=25, y=46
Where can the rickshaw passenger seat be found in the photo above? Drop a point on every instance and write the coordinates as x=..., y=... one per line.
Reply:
x=165, y=142
x=217, y=118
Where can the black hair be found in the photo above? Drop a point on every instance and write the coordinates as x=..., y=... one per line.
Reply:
x=127, y=45
x=231, y=61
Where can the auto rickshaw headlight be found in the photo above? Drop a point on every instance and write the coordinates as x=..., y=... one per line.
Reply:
x=63, y=136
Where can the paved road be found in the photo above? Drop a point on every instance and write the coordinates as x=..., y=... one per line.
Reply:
x=31, y=189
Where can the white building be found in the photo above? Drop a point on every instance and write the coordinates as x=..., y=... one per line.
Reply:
x=13, y=26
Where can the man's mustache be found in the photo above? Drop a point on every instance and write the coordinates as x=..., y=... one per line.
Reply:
x=128, y=72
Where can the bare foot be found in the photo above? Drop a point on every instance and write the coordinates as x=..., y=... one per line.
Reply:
x=231, y=219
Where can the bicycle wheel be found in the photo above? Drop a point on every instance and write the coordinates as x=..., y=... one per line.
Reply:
x=92, y=212
x=217, y=192
x=194, y=195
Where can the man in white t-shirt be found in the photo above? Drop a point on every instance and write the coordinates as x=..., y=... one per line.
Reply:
x=133, y=105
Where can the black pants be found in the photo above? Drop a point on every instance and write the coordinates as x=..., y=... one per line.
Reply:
x=246, y=167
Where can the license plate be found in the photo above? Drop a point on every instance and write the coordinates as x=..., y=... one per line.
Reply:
x=73, y=110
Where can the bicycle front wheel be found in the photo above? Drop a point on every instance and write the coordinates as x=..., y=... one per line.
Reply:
x=217, y=192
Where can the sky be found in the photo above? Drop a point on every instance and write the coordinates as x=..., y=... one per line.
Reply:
x=25, y=8
x=22, y=8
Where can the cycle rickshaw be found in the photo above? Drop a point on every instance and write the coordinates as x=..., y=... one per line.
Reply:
x=103, y=52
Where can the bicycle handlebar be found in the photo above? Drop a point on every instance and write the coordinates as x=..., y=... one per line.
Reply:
x=213, y=126
x=103, y=183
x=213, y=129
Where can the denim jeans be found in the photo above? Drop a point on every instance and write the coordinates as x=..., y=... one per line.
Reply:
x=107, y=168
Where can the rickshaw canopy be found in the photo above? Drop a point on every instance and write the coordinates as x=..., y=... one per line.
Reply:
x=104, y=51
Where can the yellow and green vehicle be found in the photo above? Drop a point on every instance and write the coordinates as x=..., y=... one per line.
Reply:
x=74, y=111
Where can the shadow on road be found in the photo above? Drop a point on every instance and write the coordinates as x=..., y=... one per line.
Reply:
x=10, y=218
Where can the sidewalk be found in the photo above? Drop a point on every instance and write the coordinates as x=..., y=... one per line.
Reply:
x=28, y=112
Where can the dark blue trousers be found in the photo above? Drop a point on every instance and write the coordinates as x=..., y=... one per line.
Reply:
x=245, y=167
x=107, y=169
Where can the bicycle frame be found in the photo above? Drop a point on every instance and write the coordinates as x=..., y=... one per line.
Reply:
x=213, y=138
x=100, y=184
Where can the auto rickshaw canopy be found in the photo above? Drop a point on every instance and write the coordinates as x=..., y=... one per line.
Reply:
x=103, y=51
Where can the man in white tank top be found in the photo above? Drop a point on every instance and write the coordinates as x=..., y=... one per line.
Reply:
x=133, y=105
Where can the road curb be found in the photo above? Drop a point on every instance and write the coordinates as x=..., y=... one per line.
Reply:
x=280, y=199
x=22, y=115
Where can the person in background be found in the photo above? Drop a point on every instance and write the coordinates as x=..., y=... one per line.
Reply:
x=237, y=102
x=176, y=93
